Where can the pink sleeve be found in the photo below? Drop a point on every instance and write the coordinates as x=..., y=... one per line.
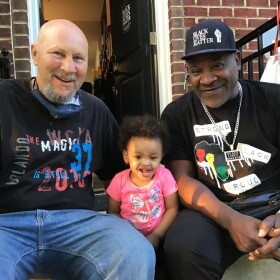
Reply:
x=114, y=190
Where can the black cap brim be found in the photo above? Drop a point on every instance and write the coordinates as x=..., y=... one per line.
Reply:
x=185, y=57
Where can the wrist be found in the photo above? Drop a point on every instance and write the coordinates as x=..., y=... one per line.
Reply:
x=226, y=217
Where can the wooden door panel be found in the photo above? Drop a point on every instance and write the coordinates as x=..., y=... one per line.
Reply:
x=130, y=96
x=134, y=58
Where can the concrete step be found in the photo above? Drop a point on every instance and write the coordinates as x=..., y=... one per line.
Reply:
x=245, y=269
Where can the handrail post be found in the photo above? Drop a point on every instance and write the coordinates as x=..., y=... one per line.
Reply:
x=4, y=65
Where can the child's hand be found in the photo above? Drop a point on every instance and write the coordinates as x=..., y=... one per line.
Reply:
x=154, y=239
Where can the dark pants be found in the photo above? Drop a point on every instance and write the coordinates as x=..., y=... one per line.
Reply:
x=195, y=247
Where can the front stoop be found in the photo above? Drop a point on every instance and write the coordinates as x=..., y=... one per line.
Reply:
x=245, y=269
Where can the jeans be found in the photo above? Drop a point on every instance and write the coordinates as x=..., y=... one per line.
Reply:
x=72, y=244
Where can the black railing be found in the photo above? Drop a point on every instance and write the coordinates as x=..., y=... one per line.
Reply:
x=4, y=65
x=258, y=56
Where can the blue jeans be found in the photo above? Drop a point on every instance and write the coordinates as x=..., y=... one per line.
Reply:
x=72, y=244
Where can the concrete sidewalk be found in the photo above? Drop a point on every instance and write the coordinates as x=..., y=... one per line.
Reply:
x=244, y=269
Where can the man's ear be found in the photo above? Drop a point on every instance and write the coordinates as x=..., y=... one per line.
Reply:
x=125, y=157
x=34, y=53
x=238, y=60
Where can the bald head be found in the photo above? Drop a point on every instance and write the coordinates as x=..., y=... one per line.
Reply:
x=60, y=26
x=61, y=56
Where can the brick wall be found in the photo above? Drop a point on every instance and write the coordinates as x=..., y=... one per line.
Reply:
x=20, y=38
x=5, y=29
x=242, y=16
x=15, y=36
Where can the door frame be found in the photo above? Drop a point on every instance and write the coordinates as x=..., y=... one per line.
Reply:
x=163, y=53
x=163, y=46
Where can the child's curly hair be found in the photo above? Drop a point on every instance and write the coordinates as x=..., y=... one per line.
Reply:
x=141, y=126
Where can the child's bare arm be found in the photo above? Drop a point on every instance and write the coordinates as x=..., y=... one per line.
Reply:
x=172, y=208
x=113, y=207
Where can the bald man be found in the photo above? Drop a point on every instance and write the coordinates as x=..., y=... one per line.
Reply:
x=53, y=137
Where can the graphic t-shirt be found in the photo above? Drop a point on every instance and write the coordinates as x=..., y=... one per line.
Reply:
x=254, y=162
x=46, y=163
x=143, y=207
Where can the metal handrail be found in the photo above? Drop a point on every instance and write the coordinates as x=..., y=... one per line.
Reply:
x=4, y=65
x=256, y=34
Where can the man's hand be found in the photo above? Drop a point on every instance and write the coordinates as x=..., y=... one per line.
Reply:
x=270, y=229
x=244, y=232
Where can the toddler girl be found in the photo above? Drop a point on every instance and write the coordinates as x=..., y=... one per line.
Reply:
x=146, y=193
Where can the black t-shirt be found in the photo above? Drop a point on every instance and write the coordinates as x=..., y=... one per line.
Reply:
x=46, y=163
x=194, y=138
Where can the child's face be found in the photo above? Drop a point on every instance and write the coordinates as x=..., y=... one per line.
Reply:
x=143, y=156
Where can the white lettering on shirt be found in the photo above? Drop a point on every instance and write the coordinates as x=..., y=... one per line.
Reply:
x=243, y=184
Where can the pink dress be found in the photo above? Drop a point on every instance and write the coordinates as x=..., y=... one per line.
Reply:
x=144, y=206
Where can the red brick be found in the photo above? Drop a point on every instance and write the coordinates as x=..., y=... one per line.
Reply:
x=196, y=11
x=208, y=3
x=23, y=75
x=177, y=45
x=189, y=2
x=236, y=3
x=178, y=78
x=20, y=28
x=20, y=5
x=176, y=12
x=223, y=12
x=5, y=32
x=176, y=23
x=6, y=45
x=5, y=20
x=245, y=12
x=234, y=23
x=267, y=13
x=22, y=52
x=239, y=33
x=177, y=34
x=253, y=45
x=178, y=89
x=255, y=23
x=4, y=8
x=176, y=56
x=273, y=3
x=175, y=2
x=178, y=67
x=189, y=21
x=246, y=53
x=258, y=3
x=20, y=16
x=21, y=40
x=22, y=65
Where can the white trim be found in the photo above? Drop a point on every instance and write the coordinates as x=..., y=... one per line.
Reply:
x=12, y=41
x=34, y=26
x=163, y=53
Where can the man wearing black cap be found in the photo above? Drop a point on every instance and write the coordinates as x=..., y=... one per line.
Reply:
x=224, y=144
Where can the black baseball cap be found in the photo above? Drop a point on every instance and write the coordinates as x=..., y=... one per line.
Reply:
x=209, y=36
